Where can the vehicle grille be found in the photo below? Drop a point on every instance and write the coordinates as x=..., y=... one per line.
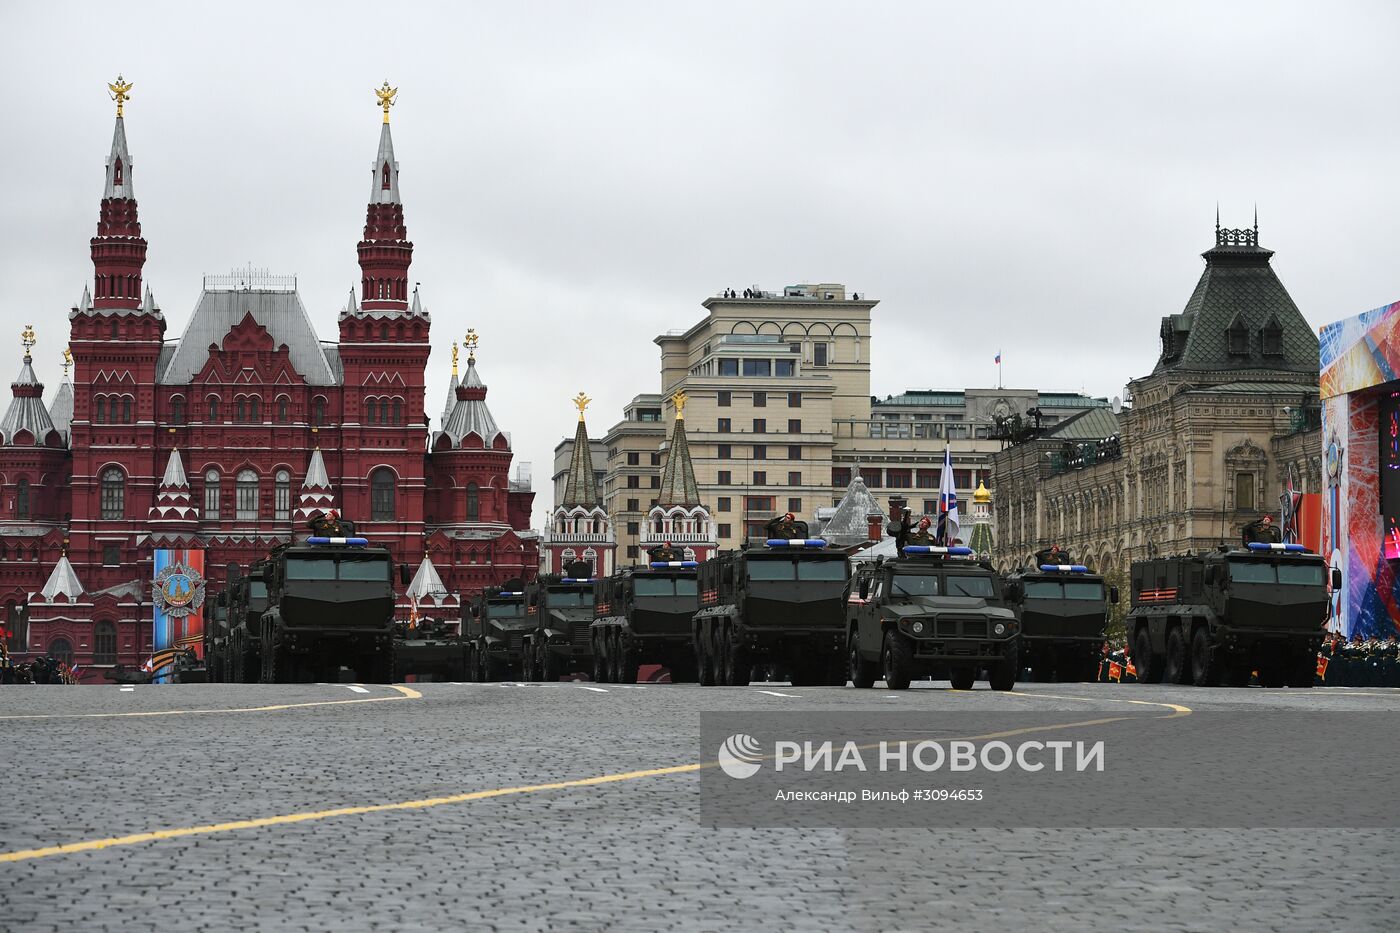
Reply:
x=516, y=641
x=962, y=628
x=582, y=635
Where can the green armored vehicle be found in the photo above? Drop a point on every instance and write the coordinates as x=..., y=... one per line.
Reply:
x=559, y=639
x=1215, y=618
x=216, y=654
x=782, y=603
x=1063, y=611
x=928, y=611
x=643, y=615
x=494, y=628
x=429, y=649
x=247, y=602
x=330, y=605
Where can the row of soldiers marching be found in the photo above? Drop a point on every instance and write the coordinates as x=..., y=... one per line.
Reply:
x=1359, y=663
x=36, y=671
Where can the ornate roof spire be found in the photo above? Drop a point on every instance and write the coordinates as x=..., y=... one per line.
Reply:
x=173, y=501
x=467, y=412
x=63, y=581
x=316, y=494
x=385, y=250
x=118, y=250
x=26, y=412
x=678, y=486
x=581, y=488
x=385, y=94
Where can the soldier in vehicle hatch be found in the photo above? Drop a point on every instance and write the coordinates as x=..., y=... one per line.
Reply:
x=787, y=526
x=328, y=524
x=1054, y=554
x=1262, y=530
x=922, y=533
x=664, y=552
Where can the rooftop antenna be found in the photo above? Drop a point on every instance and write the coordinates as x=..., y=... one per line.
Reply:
x=1256, y=223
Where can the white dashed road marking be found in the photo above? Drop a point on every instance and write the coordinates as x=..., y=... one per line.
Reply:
x=594, y=689
x=354, y=688
x=774, y=693
x=128, y=689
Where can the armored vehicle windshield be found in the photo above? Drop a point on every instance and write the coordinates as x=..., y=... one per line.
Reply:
x=362, y=568
x=504, y=610
x=976, y=585
x=1245, y=570
x=1064, y=589
x=568, y=597
x=645, y=585
x=789, y=567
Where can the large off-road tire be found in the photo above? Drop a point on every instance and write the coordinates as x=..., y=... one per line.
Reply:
x=719, y=650
x=527, y=661
x=471, y=673
x=615, y=659
x=600, y=662
x=861, y=671
x=549, y=666
x=704, y=657
x=897, y=661
x=962, y=676
x=1178, y=667
x=1002, y=675
x=629, y=663
x=1207, y=666
x=237, y=661
x=1149, y=665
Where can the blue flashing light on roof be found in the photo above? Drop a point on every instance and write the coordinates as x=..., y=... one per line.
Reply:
x=795, y=542
x=510, y=593
x=579, y=580
x=957, y=551
x=663, y=564
x=1266, y=546
x=348, y=542
x=1064, y=568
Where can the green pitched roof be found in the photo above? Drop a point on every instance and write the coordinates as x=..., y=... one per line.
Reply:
x=1092, y=425
x=581, y=488
x=678, y=485
x=1238, y=289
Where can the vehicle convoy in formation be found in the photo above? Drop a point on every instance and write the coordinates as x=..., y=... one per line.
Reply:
x=559, y=639
x=1063, y=612
x=781, y=603
x=495, y=627
x=430, y=650
x=330, y=605
x=1214, y=618
x=247, y=599
x=643, y=615
x=930, y=612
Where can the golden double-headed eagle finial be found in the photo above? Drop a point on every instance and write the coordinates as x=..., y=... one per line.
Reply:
x=679, y=400
x=581, y=402
x=470, y=341
x=26, y=337
x=454, y=358
x=67, y=361
x=121, y=91
x=386, y=98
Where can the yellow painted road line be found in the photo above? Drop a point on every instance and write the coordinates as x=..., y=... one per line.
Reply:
x=404, y=693
x=1176, y=708
x=92, y=845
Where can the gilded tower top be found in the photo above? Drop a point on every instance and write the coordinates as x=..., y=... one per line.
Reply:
x=121, y=92
x=581, y=402
x=679, y=400
x=470, y=341
x=385, y=94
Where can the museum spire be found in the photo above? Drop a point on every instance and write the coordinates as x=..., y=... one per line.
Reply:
x=385, y=252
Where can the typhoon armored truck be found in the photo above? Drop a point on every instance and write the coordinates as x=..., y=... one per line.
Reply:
x=216, y=636
x=930, y=611
x=330, y=605
x=247, y=599
x=1063, y=611
x=781, y=603
x=559, y=639
x=644, y=616
x=1214, y=618
x=494, y=628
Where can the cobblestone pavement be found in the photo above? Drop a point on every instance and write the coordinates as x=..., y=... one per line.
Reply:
x=624, y=855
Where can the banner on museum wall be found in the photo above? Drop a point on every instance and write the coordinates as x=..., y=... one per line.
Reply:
x=177, y=593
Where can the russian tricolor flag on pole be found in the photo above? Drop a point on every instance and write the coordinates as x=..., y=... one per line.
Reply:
x=947, y=500
x=998, y=359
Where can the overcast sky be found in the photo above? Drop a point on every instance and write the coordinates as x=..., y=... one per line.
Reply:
x=1037, y=178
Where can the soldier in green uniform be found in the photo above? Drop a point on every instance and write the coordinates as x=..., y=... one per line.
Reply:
x=327, y=524
x=663, y=552
x=921, y=534
x=1262, y=530
x=786, y=527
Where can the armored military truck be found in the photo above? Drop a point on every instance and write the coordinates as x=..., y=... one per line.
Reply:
x=1063, y=611
x=330, y=605
x=1215, y=618
x=643, y=615
x=494, y=628
x=216, y=655
x=429, y=649
x=247, y=603
x=559, y=640
x=781, y=603
x=928, y=612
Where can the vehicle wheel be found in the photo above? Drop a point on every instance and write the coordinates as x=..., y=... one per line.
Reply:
x=861, y=671
x=527, y=661
x=1303, y=669
x=1205, y=661
x=740, y=665
x=600, y=666
x=1002, y=675
x=898, y=662
x=615, y=658
x=719, y=649
x=1149, y=668
x=1177, y=669
x=238, y=663
x=269, y=666
x=628, y=664
x=549, y=666
x=962, y=677
x=471, y=672
x=704, y=664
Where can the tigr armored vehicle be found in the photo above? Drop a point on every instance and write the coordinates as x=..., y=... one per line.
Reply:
x=495, y=627
x=781, y=603
x=247, y=603
x=331, y=605
x=559, y=640
x=1214, y=618
x=1063, y=611
x=644, y=616
x=929, y=611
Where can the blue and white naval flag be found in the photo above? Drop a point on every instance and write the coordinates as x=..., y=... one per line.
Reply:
x=947, y=501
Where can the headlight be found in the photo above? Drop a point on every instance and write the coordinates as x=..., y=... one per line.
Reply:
x=1000, y=629
x=917, y=628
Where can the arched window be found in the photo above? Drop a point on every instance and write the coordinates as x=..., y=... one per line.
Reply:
x=381, y=495
x=246, y=507
x=284, y=410
x=112, y=330
x=126, y=409
x=22, y=500
x=213, y=408
x=211, y=495
x=177, y=410
x=1244, y=491
x=282, y=501
x=398, y=411
x=240, y=411
x=318, y=410
x=104, y=643
x=113, y=493
x=383, y=184
x=60, y=649
x=101, y=416
x=383, y=331
x=473, y=502
x=117, y=172
x=255, y=409
x=371, y=410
